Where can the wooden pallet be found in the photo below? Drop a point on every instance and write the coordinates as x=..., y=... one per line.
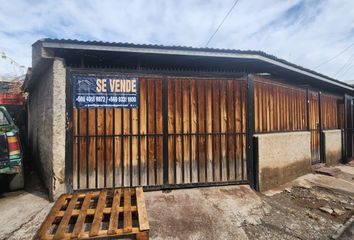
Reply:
x=112, y=214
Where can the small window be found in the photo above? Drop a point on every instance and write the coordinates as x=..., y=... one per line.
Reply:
x=3, y=119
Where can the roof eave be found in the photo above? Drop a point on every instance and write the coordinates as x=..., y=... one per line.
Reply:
x=184, y=52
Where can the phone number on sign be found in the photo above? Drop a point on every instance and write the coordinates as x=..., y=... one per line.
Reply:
x=105, y=99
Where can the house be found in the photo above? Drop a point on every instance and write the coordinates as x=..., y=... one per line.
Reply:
x=105, y=115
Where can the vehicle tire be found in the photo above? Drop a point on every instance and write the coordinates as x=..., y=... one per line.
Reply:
x=17, y=181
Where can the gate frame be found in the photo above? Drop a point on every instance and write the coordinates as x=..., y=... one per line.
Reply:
x=252, y=163
x=348, y=128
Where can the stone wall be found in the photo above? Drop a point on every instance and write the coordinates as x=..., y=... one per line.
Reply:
x=333, y=146
x=46, y=120
x=282, y=157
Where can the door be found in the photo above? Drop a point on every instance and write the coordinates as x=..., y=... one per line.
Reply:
x=314, y=126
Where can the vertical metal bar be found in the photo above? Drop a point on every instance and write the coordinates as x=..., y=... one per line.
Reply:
x=190, y=130
x=105, y=148
x=252, y=164
x=205, y=135
x=87, y=149
x=122, y=144
x=165, y=129
x=322, y=155
x=227, y=132
x=155, y=130
x=235, y=130
x=96, y=149
x=78, y=148
x=114, y=148
x=182, y=121
x=197, y=135
x=247, y=131
x=139, y=138
x=147, y=134
x=131, y=147
x=174, y=131
x=220, y=135
x=212, y=129
x=308, y=108
x=69, y=131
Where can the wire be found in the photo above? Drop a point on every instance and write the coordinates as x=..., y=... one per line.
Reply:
x=349, y=67
x=334, y=57
x=346, y=64
x=221, y=23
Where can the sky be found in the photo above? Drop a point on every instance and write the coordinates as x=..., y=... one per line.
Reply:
x=316, y=34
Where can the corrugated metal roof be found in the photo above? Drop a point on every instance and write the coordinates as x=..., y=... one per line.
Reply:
x=186, y=48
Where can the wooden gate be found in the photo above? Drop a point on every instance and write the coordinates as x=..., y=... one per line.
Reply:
x=200, y=137
x=315, y=128
x=206, y=130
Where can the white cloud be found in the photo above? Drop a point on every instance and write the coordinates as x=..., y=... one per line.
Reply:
x=306, y=33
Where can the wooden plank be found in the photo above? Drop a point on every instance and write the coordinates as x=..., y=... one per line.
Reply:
x=114, y=218
x=82, y=215
x=151, y=130
x=42, y=232
x=96, y=224
x=223, y=117
x=126, y=145
x=109, y=147
x=100, y=147
x=143, y=139
x=61, y=231
x=171, y=128
x=201, y=129
x=142, y=214
x=178, y=127
x=127, y=211
x=159, y=130
x=82, y=148
x=92, y=148
x=208, y=129
x=135, y=145
x=186, y=127
x=193, y=119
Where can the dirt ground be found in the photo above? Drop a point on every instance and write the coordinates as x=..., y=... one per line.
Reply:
x=314, y=206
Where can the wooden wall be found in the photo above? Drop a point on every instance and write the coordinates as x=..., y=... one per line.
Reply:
x=278, y=107
x=331, y=110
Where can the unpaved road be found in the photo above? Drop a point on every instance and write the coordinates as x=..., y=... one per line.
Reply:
x=311, y=207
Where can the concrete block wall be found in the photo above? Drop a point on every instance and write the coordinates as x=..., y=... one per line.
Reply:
x=46, y=112
x=333, y=146
x=282, y=157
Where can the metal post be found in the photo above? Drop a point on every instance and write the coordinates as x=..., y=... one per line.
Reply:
x=322, y=150
x=69, y=133
x=252, y=163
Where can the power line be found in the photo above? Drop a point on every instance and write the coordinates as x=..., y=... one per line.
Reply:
x=346, y=64
x=335, y=56
x=221, y=23
x=349, y=67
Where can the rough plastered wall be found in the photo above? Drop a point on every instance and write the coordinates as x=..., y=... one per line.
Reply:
x=282, y=157
x=47, y=127
x=333, y=146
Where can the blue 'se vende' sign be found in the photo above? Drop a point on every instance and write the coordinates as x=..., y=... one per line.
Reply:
x=99, y=92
